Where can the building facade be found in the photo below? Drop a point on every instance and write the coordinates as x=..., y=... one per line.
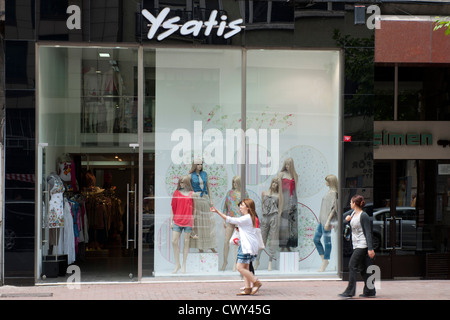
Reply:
x=110, y=106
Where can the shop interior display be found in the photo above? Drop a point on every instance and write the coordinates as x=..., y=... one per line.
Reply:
x=106, y=105
x=81, y=219
x=280, y=194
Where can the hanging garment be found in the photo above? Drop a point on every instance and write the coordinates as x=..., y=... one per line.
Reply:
x=68, y=235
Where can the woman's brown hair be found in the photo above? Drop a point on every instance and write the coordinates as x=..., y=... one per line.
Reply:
x=250, y=204
x=359, y=200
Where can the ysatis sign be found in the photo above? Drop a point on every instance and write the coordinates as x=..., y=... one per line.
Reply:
x=169, y=25
x=222, y=27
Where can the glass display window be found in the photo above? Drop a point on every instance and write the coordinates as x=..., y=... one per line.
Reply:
x=131, y=135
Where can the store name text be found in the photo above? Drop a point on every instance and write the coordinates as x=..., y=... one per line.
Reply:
x=400, y=139
x=213, y=153
x=190, y=27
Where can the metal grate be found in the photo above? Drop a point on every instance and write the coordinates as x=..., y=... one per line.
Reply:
x=438, y=266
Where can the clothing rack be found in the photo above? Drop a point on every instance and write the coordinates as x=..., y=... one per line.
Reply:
x=104, y=212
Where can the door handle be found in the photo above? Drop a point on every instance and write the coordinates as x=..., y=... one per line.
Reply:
x=398, y=221
x=386, y=233
x=400, y=224
x=134, y=215
x=128, y=214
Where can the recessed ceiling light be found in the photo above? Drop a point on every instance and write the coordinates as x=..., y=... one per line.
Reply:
x=104, y=55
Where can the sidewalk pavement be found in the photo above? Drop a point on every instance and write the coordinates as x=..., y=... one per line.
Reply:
x=190, y=290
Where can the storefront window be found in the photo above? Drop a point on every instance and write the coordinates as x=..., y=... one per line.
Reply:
x=122, y=130
x=198, y=97
x=292, y=116
x=295, y=94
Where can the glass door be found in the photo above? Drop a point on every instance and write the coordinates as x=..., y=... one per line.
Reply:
x=132, y=211
x=398, y=228
x=88, y=164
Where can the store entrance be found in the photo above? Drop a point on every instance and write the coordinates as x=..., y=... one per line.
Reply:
x=402, y=217
x=95, y=239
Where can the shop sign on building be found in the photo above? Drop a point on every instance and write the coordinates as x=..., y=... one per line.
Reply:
x=398, y=139
x=410, y=140
x=196, y=28
x=191, y=27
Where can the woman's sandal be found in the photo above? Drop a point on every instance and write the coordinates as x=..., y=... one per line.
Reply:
x=256, y=287
x=246, y=292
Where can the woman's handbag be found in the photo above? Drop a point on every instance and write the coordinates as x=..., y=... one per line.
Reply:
x=234, y=240
x=260, y=239
x=348, y=229
x=347, y=232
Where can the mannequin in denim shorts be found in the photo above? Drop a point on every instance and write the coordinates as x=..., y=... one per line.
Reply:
x=182, y=219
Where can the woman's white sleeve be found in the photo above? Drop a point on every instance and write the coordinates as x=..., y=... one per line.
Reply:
x=235, y=220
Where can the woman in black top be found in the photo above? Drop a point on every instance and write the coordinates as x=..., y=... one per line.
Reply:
x=363, y=253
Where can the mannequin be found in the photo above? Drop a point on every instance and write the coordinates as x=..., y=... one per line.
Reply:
x=231, y=208
x=328, y=213
x=182, y=219
x=55, y=208
x=65, y=170
x=288, y=203
x=270, y=220
x=56, y=203
x=204, y=224
x=64, y=167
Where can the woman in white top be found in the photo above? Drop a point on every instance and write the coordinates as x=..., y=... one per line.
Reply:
x=363, y=252
x=248, y=245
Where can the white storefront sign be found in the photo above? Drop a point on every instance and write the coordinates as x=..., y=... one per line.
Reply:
x=193, y=27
